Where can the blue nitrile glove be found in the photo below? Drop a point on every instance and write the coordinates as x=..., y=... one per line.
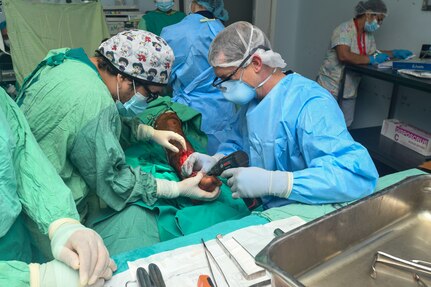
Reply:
x=252, y=182
x=378, y=58
x=401, y=54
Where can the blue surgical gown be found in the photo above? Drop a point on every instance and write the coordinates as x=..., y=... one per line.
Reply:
x=298, y=127
x=192, y=76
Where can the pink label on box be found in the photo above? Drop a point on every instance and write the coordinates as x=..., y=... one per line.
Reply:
x=411, y=135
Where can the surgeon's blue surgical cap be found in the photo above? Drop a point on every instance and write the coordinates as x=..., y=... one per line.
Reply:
x=235, y=42
x=370, y=6
x=216, y=7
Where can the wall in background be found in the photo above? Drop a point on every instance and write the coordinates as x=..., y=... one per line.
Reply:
x=302, y=30
x=144, y=5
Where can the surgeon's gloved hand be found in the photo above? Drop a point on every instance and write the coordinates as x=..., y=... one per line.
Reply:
x=55, y=273
x=378, y=58
x=161, y=137
x=80, y=248
x=401, y=54
x=199, y=162
x=249, y=182
x=187, y=188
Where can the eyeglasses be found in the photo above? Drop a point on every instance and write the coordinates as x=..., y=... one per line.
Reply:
x=379, y=17
x=151, y=96
x=218, y=81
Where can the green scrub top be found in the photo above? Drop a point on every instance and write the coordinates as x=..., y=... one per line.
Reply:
x=73, y=117
x=154, y=21
x=27, y=176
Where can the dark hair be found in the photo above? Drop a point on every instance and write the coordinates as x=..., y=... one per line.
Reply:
x=152, y=70
x=122, y=59
x=105, y=65
x=138, y=65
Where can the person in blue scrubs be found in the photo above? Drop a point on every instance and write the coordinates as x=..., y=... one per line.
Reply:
x=292, y=129
x=192, y=75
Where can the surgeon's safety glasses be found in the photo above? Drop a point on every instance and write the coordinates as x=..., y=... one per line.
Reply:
x=151, y=96
x=218, y=81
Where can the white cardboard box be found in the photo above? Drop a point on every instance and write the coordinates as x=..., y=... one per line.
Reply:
x=407, y=135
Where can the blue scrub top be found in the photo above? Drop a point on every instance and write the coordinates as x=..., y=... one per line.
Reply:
x=298, y=127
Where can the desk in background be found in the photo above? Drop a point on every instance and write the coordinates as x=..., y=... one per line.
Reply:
x=381, y=148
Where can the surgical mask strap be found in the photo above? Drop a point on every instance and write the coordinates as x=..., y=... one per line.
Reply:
x=266, y=80
x=134, y=88
x=118, y=92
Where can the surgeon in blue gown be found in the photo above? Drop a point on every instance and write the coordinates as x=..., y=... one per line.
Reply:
x=292, y=129
x=192, y=75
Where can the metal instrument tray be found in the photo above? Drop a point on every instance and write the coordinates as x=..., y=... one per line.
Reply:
x=339, y=248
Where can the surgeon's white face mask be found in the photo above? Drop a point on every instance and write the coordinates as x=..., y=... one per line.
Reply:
x=133, y=107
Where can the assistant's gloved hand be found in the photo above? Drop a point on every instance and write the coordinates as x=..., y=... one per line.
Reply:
x=401, y=54
x=161, y=137
x=56, y=273
x=187, y=188
x=199, y=162
x=257, y=182
x=378, y=58
x=80, y=248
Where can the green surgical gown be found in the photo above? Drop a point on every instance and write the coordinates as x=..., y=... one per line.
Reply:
x=73, y=117
x=155, y=21
x=30, y=188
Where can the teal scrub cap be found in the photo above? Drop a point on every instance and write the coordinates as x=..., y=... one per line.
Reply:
x=216, y=7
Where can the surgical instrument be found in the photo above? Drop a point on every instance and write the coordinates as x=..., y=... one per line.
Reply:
x=152, y=278
x=207, y=251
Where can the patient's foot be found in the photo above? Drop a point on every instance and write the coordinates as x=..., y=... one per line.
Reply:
x=169, y=121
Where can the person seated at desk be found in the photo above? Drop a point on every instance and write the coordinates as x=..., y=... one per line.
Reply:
x=353, y=42
x=154, y=21
x=73, y=104
x=32, y=193
x=291, y=128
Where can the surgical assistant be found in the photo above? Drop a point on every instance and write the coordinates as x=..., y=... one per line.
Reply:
x=73, y=105
x=192, y=75
x=30, y=190
x=154, y=21
x=292, y=129
x=353, y=42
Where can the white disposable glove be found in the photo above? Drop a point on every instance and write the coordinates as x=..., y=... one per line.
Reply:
x=56, y=273
x=161, y=137
x=199, y=162
x=252, y=182
x=187, y=188
x=80, y=248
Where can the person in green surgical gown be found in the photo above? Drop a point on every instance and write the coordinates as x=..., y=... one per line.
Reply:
x=154, y=21
x=77, y=108
x=31, y=190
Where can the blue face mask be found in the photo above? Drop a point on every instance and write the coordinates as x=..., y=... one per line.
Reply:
x=371, y=27
x=165, y=6
x=239, y=92
x=133, y=107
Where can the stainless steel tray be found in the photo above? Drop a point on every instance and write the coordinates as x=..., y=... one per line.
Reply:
x=339, y=248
